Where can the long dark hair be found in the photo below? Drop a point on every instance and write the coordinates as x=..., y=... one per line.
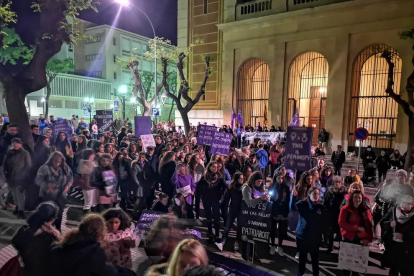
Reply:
x=61, y=144
x=87, y=153
x=235, y=181
x=166, y=159
x=39, y=143
x=82, y=145
x=229, y=159
x=208, y=175
x=119, y=214
x=251, y=182
x=302, y=186
x=116, y=164
x=361, y=208
x=91, y=228
x=45, y=212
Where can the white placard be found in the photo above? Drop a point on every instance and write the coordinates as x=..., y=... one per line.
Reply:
x=353, y=257
x=147, y=140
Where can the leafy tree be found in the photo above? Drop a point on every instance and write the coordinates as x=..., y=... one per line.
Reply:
x=7, y=16
x=51, y=31
x=53, y=68
x=405, y=105
x=14, y=49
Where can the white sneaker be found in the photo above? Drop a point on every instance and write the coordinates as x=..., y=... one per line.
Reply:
x=219, y=245
x=236, y=246
x=309, y=257
x=272, y=250
x=280, y=251
x=297, y=256
x=381, y=247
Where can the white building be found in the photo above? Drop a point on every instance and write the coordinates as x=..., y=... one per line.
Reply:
x=97, y=74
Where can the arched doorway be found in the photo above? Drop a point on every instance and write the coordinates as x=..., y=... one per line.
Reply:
x=371, y=107
x=253, y=90
x=307, y=90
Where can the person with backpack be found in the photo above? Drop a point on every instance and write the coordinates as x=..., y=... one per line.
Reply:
x=338, y=158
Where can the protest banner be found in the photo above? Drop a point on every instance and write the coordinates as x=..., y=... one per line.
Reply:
x=353, y=257
x=255, y=222
x=62, y=126
x=147, y=140
x=221, y=143
x=208, y=136
x=104, y=120
x=298, y=148
x=273, y=137
x=200, y=134
x=191, y=234
x=145, y=223
x=142, y=125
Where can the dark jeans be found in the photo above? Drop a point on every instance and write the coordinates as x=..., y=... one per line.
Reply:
x=281, y=226
x=333, y=229
x=224, y=208
x=233, y=214
x=382, y=175
x=123, y=185
x=337, y=170
x=312, y=248
x=212, y=210
x=189, y=208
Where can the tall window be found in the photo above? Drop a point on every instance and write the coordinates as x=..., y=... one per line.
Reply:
x=371, y=107
x=252, y=94
x=308, y=83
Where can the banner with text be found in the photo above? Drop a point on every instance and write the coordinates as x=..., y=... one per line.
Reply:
x=353, y=257
x=104, y=120
x=221, y=143
x=147, y=140
x=255, y=222
x=62, y=126
x=205, y=134
x=298, y=148
x=145, y=223
x=142, y=125
x=273, y=137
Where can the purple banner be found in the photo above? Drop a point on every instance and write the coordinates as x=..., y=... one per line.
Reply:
x=298, y=148
x=145, y=222
x=142, y=125
x=221, y=143
x=62, y=126
x=205, y=134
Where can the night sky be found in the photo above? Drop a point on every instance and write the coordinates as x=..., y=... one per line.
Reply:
x=163, y=14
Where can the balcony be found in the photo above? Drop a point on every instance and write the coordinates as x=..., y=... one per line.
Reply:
x=258, y=8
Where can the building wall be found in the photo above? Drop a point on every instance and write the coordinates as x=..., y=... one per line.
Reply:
x=338, y=31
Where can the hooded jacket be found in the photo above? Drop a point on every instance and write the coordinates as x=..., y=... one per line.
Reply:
x=85, y=169
x=349, y=221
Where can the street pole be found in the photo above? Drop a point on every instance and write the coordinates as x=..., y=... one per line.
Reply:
x=123, y=106
x=359, y=155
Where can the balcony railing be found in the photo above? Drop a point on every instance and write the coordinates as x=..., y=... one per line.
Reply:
x=258, y=8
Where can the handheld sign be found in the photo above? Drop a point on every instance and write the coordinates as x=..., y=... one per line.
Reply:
x=361, y=134
x=255, y=222
x=298, y=148
x=221, y=143
x=147, y=140
x=142, y=125
x=104, y=119
x=353, y=257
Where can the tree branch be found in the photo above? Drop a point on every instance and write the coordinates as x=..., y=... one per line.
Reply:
x=202, y=89
x=166, y=85
x=133, y=67
x=410, y=89
x=390, y=82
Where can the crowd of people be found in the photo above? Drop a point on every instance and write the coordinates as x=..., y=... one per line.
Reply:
x=119, y=178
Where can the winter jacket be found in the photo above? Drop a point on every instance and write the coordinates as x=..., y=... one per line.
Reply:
x=233, y=167
x=210, y=192
x=85, y=169
x=310, y=222
x=332, y=203
x=81, y=258
x=35, y=248
x=280, y=198
x=262, y=158
x=255, y=166
x=16, y=167
x=367, y=202
x=5, y=143
x=62, y=177
x=139, y=173
x=248, y=196
x=368, y=156
x=235, y=196
x=383, y=162
x=349, y=221
x=338, y=158
x=398, y=250
x=168, y=171
x=159, y=207
x=323, y=136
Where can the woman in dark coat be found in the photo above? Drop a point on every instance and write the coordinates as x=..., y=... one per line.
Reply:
x=332, y=202
x=62, y=144
x=34, y=241
x=80, y=252
x=140, y=170
x=309, y=230
x=166, y=171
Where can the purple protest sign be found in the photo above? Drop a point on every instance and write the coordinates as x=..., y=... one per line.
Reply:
x=298, y=148
x=208, y=137
x=201, y=129
x=142, y=125
x=145, y=223
x=221, y=143
x=62, y=126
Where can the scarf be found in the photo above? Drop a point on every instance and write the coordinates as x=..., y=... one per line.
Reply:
x=403, y=218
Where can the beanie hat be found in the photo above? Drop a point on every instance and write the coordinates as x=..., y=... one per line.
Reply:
x=402, y=171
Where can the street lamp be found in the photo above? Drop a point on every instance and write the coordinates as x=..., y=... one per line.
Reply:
x=43, y=100
x=89, y=102
x=164, y=98
x=123, y=89
x=126, y=3
x=135, y=103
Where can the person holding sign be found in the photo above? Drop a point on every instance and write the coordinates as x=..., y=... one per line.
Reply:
x=309, y=230
x=253, y=194
x=184, y=184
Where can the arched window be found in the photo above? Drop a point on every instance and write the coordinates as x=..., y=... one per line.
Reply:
x=371, y=107
x=253, y=91
x=307, y=90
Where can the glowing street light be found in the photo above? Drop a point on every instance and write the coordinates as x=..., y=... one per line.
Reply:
x=132, y=100
x=89, y=102
x=123, y=3
x=123, y=89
